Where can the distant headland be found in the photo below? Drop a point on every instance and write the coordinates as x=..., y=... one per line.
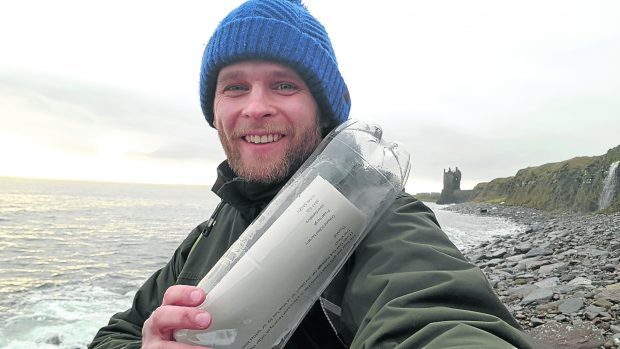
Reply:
x=582, y=184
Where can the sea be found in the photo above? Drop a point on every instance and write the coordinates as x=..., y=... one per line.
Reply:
x=73, y=253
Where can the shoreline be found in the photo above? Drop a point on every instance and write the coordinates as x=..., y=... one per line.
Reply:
x=559, y=277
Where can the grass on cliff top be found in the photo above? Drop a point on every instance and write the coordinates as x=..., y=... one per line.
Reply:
x=578, y=163
x=569, y=185
x=497, y=181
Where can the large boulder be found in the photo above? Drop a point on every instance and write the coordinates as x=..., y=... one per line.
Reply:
x=554, y=335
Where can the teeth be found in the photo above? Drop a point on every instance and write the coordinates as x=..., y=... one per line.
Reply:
x=262, y=139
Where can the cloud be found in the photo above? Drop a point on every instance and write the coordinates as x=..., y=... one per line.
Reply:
x=86, y=117
x=87, y=102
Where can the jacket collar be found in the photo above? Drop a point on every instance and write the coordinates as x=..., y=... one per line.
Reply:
x=248, y=197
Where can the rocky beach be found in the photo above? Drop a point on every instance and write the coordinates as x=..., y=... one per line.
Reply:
x=560, y=276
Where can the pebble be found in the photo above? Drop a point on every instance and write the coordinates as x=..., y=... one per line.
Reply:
x=560, y=275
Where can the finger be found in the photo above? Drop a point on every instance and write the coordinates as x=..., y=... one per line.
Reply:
x=183, y=295
x=171, y=317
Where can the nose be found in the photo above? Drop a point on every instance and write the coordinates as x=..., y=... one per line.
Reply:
x=258, y=104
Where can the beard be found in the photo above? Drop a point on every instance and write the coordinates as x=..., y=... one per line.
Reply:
x=266, y=169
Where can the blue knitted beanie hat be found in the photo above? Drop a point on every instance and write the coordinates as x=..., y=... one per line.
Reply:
x=285, y=32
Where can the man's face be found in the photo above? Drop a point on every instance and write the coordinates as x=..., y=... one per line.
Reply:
x=266, y=118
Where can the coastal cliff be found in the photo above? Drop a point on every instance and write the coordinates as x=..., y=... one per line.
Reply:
x=581, y=184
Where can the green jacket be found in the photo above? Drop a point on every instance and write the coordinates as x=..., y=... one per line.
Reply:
x=405, y=286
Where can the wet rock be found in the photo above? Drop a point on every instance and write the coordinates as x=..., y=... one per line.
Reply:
x=611, y=292
x=498, y=253
x=560, y=318
x=525, y=276
x=580, y=281
x=603, y=303
x=520, y=281
x=547, y=283
x=493, y=262
x=564, y=336
x=522, y=291
x=538, y=251
x=593, y=311
x=567, y=289
x=547, y=269
x=548, y=308
x=54, y=340
x=523, y=248
x=538, y=296
x=571, y=305
x=536, y=321
x=533, y=265
x=515, y=258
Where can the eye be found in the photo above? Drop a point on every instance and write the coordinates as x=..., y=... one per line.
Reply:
x=286, y=88
x=233, y=90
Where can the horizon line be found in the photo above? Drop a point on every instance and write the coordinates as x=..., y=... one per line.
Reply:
x=101, y=181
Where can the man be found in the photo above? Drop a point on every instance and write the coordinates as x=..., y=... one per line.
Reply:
x=271, y=87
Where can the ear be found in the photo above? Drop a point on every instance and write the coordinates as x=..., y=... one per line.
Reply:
x=213, y=121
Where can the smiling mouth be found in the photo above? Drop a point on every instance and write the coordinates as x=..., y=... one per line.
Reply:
x=263, y=139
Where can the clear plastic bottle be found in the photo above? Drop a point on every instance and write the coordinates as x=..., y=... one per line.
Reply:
x=261, y=288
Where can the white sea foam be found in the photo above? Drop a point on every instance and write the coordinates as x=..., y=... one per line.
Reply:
x=70, y=315
x=467, y=231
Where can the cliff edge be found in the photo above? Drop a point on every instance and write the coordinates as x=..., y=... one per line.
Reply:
x=581, y=184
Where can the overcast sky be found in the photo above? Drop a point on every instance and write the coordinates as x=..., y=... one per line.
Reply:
x=108, y=90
